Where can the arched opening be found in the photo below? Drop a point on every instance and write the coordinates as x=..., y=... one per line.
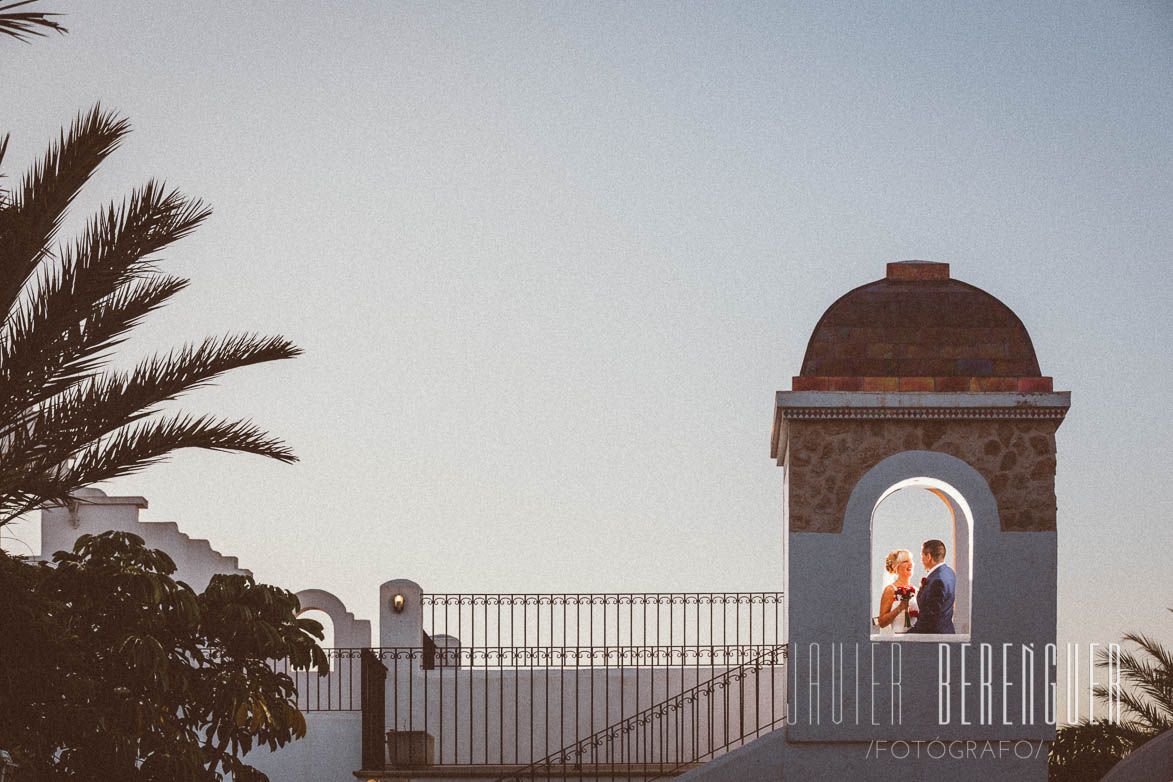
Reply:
x=327, y=625
x=906, y=514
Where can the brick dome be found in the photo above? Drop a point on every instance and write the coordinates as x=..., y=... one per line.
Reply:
x=919, y=330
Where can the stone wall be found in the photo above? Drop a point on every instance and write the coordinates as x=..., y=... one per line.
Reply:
x=827, y=458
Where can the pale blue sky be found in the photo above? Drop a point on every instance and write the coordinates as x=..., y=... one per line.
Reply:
x=551, y=261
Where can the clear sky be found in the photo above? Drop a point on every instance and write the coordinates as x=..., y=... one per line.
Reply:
x=549, y=263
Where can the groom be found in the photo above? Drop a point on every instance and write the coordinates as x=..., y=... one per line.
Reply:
x=935, y=599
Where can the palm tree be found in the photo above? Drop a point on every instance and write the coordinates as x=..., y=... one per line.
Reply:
x=1088, y=750
x=64, y=421
x=22, y=24
x=1147, y=704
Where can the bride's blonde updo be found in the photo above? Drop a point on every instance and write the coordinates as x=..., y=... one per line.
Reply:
x=893, y=559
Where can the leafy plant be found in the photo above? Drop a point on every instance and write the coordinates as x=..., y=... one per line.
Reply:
x=114, y=670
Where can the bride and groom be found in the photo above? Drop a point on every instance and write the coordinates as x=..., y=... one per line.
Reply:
x=904, y=608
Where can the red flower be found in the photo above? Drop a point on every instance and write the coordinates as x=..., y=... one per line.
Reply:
x=924, y=581
x=913, y=613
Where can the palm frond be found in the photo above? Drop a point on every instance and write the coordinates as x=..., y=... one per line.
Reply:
x=3, y=149
x=23, y=24
x=35, y=209
x=63, y=425
x=1145, y=676
x=72, y=421
x=1139, y=714
x=81, y=353
x=135, y=447
x=1153, y=648
x=41, y=349
x=1148, y=673
x=132, y=448
x=120, y=242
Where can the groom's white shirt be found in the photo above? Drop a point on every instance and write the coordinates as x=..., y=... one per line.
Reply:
x=934, y=567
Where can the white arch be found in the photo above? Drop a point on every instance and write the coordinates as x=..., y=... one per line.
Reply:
x=349, y=633
x=960, y=486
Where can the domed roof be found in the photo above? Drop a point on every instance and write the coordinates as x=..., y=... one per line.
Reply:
x=919, y=330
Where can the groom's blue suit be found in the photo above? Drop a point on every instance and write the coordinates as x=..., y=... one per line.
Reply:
x=935, y=602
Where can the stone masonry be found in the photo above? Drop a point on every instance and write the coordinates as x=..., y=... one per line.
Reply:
x=827, y=458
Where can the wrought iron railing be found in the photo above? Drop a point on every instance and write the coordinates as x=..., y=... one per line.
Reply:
x=629, y=619
x=507, y=680
x=508, y=706
x=339, y=689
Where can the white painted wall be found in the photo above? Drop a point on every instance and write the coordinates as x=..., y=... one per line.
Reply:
x=1012, y=600
x=518, y=716
x=94, y=512
x=330, y=751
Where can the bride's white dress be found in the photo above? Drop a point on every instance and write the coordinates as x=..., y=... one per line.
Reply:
x=897, y=626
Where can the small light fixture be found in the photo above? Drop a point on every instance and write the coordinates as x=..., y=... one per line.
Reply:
x=397, y=603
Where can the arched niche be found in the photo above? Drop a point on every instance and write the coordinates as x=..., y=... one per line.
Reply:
x=971, y=506
x=958, y=543
x=349, y=633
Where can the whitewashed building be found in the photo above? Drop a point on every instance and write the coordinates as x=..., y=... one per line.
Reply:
x=914, y=380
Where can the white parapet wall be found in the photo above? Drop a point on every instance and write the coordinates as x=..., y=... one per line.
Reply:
x=93, y=512
x=330, y=752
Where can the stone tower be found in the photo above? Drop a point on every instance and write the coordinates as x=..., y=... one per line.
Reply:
x=920, y=380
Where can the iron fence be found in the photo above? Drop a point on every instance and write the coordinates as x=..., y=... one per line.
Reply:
x=510, y=706
x=689, y=619
x=339, y=689
x=522, y=681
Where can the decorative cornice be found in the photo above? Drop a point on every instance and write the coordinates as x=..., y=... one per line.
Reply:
x=914, y=406
x=914, y=413
x=919, y=399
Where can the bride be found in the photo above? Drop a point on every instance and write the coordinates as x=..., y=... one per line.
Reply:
x=897, y=615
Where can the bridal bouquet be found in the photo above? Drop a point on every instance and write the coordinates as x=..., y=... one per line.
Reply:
x=906, y=593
